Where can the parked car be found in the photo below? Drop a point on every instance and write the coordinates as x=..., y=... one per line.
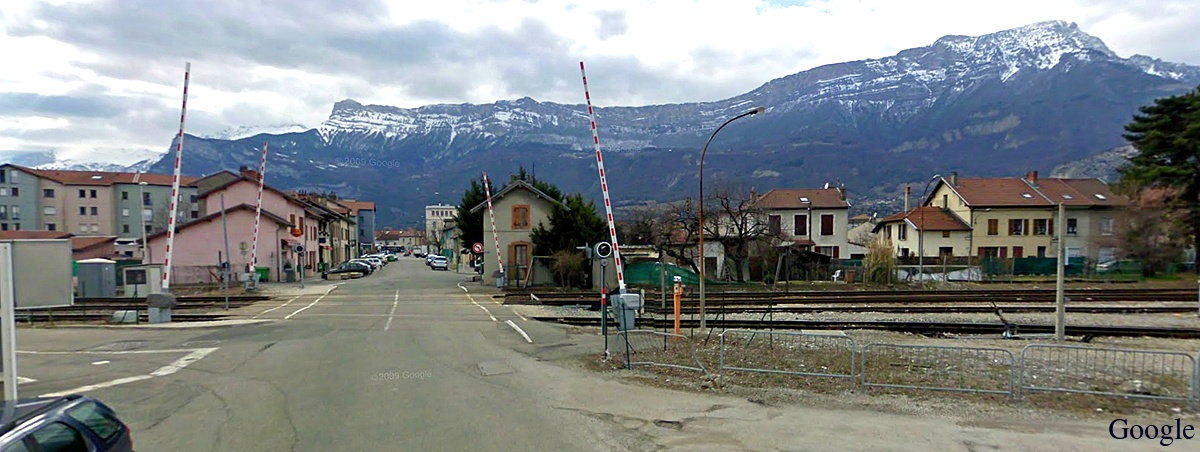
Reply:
x=391, y=257
x=68, y=423
x=439, y=263
x=367, y=263
x=348, y=267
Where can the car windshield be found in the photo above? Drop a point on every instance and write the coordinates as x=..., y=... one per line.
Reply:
x=663, y=225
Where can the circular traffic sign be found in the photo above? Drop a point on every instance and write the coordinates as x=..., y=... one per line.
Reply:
x=298, y=248
x=603, y=249
x=297, y=232
x=477, y=248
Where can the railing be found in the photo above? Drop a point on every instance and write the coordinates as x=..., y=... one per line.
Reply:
x=980, y=370
x=653, y=348
x=1111, y=372
x=788, y=353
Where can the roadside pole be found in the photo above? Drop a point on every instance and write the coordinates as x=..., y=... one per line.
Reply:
x=604, y=303
x=225, y=263
x=1060, y=323
x=8, y=325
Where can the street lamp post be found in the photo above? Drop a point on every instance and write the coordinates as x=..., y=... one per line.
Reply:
x=755, y=111
x=921, y=231
x=142, y=216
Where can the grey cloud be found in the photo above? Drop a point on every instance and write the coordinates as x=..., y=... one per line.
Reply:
x=612, y=23
x=17, y=104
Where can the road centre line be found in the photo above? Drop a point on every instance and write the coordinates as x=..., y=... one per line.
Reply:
x=392, y=315
x=310, y=304
x=519, y=330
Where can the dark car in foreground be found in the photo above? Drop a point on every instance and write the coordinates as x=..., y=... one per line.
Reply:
x=67, y=423
x=348, y=267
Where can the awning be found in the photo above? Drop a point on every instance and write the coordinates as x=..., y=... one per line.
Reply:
x=326, y=247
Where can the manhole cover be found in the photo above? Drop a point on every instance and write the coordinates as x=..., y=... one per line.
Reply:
x=489, y=368
x=120, y=346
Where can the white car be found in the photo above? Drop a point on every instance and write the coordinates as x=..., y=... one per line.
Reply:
x=439, y=263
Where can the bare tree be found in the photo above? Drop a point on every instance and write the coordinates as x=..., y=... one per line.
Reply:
x=1150, y=230
x=736, y=222
x=671, y=228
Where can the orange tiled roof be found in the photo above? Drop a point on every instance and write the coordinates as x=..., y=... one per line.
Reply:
x=85, y=242
x=821, y=198
x=927, y=218
x=1032, y=191
x=28, y=235
x=104, y=178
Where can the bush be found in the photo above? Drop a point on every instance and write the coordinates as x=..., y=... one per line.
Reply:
x=880, y=262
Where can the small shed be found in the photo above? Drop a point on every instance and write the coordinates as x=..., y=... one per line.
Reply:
x=97, y=278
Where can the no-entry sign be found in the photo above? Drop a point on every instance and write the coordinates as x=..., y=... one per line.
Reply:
x=477, y=248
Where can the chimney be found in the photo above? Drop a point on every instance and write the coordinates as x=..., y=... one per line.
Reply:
x=842, y=193
x=1031, y=177
x=954, y=179
x=247, y=172
x=907, y=195
x=753, y=196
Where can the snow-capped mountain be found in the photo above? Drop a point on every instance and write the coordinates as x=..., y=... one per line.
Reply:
x=1000, y=104
x=239, y=132
x=133, y=160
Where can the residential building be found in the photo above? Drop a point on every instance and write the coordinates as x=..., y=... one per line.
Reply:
x=199, y=244
x=438, y=218
x=20, y=200
x=364, y=217
x=517, y=207
x=811, y=219
x=336, y=228
x=1016, y=217
x=937, y=230
x=82, y=247
x=398, y=240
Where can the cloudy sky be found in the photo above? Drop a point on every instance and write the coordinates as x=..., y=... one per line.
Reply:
x=97, y=79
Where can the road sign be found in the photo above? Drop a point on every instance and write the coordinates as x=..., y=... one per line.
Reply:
x=297, y=232
x=477, y=248
x=603, y=249
x=298, y=248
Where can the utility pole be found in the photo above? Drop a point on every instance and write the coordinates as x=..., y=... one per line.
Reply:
x=1060, y=323
x=225, y=262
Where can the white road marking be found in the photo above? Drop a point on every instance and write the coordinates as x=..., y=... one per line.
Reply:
x=192, y=356
x=277, y=307
x=310, y=304
x=518, y=314
x=391, y=315
x=25, y=380
x=180, y=363
x=100, y=363
x=111, y=352
x=469, y=297
x=519, y=330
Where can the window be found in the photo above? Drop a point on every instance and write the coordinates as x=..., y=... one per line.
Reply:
x=16, y=212
x=95, y=210
x=1043, y=226
x=826, y=224
x=147, y=215
x=903, y=231
x=1106, y=226
x=146, y=201
x=292, y=221
x=125, y=228
x=83, y=211
x=3, y=226
x=82, y=193
x=3, y=191
x=149, y=228
x=124, y=196
x=124, y=212
x=520, y=217
x=2, y=175
x=945, y=234
x=93, y=194
x=16, y=226
x=520, y=254
x=887, y=232
x=96, y=419
x=51, y=227
x=945, y=251
x=82, y=227
x=13, y=179
x=3, y=212
x=831, y=251
x=800, y=225
x=47, y=192
x=1018, y=251
x=59, y=437
x=946, y=201
x=16, y=191
x=1041, y=251
x=1072, y=226
x=993, y=227
x=192, y=198
x=1016, y=227
x=774, y=224
x=195, y=214
x=95, y=228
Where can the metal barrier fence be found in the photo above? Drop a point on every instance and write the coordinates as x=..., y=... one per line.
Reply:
x=1127, y=373
x=981, y=370
x=791, y=353
x=654, y=348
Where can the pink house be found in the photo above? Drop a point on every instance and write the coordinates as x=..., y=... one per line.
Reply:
x=200, y=244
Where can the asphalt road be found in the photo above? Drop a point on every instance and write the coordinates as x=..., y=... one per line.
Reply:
x=413, y=359
x=404, y=359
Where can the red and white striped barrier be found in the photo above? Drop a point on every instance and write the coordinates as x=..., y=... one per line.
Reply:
x=166, y=278
x=495, y=234
x=262, y=175
x=612, y=228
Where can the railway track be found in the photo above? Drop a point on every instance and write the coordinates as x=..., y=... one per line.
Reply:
x=905, y=296
x=938, y=309
x=41, y=316
x=908, y=327
x=96, y=309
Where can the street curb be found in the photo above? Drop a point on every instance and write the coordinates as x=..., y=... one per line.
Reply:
x=174, y=325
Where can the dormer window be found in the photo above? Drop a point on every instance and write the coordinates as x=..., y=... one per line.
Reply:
x=1100, y=197
x=1068, y=197
x=804, y=200
x=1026, y=196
